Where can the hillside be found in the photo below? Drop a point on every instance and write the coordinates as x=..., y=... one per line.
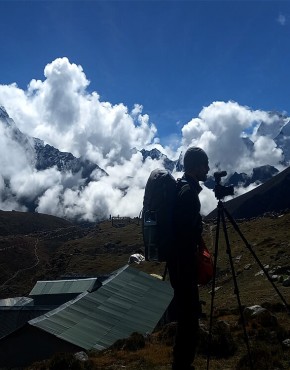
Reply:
x=14, y=222
x=103, y=248
x=69, y=250
x=272, y=196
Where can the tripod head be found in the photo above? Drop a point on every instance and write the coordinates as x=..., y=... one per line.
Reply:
x=222, y=191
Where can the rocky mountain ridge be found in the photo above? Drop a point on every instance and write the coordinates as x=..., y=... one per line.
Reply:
x=271, y=196
x=47, y=156
x=79, y=172
x=44, y=156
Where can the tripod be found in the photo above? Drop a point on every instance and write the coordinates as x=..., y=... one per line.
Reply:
x=222, y=211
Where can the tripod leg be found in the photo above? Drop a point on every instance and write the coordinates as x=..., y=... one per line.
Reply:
x=213, y=287
x=256, y=258
x=236, y=286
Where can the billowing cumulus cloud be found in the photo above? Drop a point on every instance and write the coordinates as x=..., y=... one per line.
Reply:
x=219, y=129
x=63, y=113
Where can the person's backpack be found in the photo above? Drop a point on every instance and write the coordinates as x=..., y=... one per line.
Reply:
x=157, y=215
x=157, y=222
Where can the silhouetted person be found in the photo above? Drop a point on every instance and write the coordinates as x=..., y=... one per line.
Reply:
x=182, y=264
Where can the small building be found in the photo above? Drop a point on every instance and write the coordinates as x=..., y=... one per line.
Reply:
x=57, y=292
x=44, y=297
x=129, y=301
x=15, y=312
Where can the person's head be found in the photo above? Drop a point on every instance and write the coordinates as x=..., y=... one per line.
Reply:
x=195, y=163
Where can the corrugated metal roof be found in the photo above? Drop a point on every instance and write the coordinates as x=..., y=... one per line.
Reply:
x=63, y=286
x=17, y=301
x=130, y=301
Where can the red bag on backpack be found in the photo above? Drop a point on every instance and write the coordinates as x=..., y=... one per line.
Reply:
x=205, y=265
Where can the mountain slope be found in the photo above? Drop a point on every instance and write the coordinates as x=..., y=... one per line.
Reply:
x=15, y=223
x=272, y=196
x=27, y=159
x=44, y=156
x=104, y=248
x=37, y=176
x=47, y=156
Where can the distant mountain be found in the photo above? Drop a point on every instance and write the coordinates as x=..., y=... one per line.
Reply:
x=47, y=156
x=44, y=156
x=25, y=141
x=40, y=156
x=167, y=163
x=279, y=131
x=259, y=174
x=156, y=154
x=283, y=141
x=80, y=171
x=272, y=129
x=272, y=196
x=248, y=143
x=263, y=174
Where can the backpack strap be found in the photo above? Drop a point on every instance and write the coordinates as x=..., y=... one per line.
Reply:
x=180, y=182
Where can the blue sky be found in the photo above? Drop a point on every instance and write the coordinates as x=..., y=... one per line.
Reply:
x=172, y=57
x=100, y=79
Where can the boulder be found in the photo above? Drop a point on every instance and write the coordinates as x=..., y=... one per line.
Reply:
x=261, y=315
x=134, y=342
x=286, y=343
x=286, y=282
x=81, y=356
x=222, y=344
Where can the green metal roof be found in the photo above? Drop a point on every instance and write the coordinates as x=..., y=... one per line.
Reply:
x=128, y=302
x=63, y=286
x=17, y=302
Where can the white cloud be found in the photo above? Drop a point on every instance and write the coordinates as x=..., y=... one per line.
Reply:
x=218, y=130
x=207, y=200
x=265, y=151
x=28, y=184
x=61, y=111
x=13, y=158
x=281, y=19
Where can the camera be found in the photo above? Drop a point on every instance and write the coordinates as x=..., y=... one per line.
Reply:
x=222, y=191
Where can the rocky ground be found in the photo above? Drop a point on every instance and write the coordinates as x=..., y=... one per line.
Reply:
x=101, y=248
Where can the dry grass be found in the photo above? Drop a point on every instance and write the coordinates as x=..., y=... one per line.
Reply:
x=102, y=248
x=153, y=356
